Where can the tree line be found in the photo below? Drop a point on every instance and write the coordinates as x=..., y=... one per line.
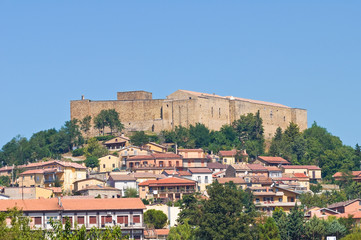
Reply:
x=314, y=145
x=229, y=213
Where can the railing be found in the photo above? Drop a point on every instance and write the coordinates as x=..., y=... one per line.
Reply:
x=173, y=191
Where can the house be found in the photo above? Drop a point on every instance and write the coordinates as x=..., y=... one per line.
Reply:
x=238, y=181
x=142, y=177
x=122, y=182
x=271, y=161
x=152, y=169
x=84, y=183
x=237, y=170
x=170, y=173
x=170, y=188
x=130, y=151
x=117, y=143
x=52, y=173
x=185, y=174
x=216, y=167
x=320, y=213
x=155, y=159
x=303, y=180
x=154, y=147
x=28, y=192
x=312, y=171
x=101, y=213
x=193, y=158
x=355, y=175
x=156, y=234
x=108, y=163
x=258, y=169
x=346, y=206
x=203, y=176
x=233, y=156
x=274, y=172
x=266, y=199
x=100, y=191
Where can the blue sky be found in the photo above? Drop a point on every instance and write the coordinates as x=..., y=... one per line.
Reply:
x=302, y=54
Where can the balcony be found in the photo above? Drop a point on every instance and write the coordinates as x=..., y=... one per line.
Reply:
x=172, y=191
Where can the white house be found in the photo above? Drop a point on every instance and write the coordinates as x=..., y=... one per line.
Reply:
x=122, y=182
x=203, y=176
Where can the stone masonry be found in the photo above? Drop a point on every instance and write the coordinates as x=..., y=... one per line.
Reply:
x=139, y=112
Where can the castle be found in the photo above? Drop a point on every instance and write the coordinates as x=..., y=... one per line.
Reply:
x=139, y=112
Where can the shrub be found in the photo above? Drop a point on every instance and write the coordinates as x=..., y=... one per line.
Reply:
x=78, y=152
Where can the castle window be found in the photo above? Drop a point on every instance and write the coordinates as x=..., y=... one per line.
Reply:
x=271, y=114
x=212, y=111
x=161, y=113
x=219, y=112
x=190, y=97
x=284, y=118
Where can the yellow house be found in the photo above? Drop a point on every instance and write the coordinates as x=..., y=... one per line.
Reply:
x=312, y=171
x=43, y=192
x=52, y=173
x=152, y=146
x=229, y=157
x=108, y=163
x=81, y=184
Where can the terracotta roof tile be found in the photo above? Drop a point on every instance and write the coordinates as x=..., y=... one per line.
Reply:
x=273, y=169
x=122, y=177
x=199, y=170
x=191, y=150
x=216, y=165
x=168, y=181
x=342, y=204
x=273, y=160
x=256, y=167
x=236, y=180
x=300, y=175
x=166, y=156
x=241, y=166
x=184, y=173
x=309, y=167
x=353, y=173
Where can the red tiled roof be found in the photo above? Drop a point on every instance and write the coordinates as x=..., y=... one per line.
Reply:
x=167, y=181
x=122, y=177
x=171, y=172
x=343, y=204
x=300, y=175
x=166, y=156
x=141, y=157
x=230, y=153
x=240, y=166
x=41, y=204
x=273, y=169
x=310, y=167
x=117, y=140
x=353, y=173
x=216, y=165
x=102, y=204
x=87, y=179
x=97, y=187
x=236, y=180
x=273, y=159
x=184, y=173
x=191, y=150
x=199, y=170
x=256, y=167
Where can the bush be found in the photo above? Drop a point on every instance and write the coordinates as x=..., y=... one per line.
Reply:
x=156, y=218
x=145, y=201
x=78, y=152
x=170, y=204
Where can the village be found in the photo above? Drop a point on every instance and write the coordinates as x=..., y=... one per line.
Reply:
x=133, y=179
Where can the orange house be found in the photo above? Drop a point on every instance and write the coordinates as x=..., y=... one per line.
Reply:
x=155, y=160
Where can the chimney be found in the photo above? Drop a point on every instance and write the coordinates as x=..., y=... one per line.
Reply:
x=82, y=97
x=59, y=202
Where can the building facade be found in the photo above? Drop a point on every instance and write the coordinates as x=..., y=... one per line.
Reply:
x=139, y=112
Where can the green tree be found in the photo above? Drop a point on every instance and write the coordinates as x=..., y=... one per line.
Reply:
x=182, y=232
x=269, y=230
x=200, y=135
x=334, y=228
x=100, y=121
x=92, y=162
x=113, y=122
x=295, y=223
x=156, y=218
x=5, y=181
x=314, y=229
x=191, y=210
x=95, y=149
x=20, y=226
x=228, y=214
x=85, y=124
x=280, y=218
x=139, y=138
x=131, y=193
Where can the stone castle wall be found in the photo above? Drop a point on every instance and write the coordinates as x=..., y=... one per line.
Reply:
x=138, y=112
